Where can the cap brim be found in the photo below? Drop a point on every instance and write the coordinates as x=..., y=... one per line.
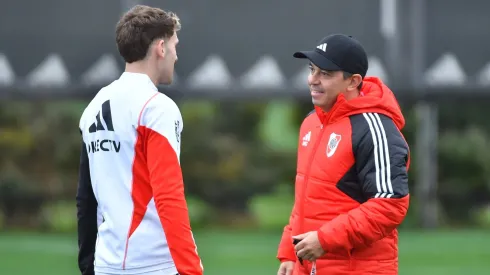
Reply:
x=318, y=59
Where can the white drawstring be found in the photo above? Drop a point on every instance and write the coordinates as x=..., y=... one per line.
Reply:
x=313, y=268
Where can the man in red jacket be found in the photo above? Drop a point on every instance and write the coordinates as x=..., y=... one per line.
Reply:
x=351, y=182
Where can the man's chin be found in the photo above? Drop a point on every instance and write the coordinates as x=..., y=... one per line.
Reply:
x=317, y=102
x=166, y=81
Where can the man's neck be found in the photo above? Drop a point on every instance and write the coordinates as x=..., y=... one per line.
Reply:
x=141, y=67
x=351, y=94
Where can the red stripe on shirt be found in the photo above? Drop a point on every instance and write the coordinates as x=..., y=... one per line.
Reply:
x=168, y=190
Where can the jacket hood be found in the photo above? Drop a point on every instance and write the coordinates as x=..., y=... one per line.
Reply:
x=375, y=97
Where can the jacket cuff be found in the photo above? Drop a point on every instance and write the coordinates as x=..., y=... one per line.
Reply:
x=323, y=238
x=285, y=256
x=282, y=260
x=286, y=248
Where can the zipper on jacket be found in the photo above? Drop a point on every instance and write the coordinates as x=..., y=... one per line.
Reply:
x=307, y=176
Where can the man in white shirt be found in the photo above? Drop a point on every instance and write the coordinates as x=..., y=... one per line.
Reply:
x=132, y=213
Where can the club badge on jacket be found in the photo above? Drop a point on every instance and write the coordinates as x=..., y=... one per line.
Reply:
x=333, y=143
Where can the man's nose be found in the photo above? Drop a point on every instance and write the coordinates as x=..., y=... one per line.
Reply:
x=313, y=79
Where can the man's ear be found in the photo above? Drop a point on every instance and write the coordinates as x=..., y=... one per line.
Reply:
x=355, y=81
x=160, y=47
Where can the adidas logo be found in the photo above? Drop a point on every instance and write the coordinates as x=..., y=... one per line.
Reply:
x=322, y=47
x=104, y=144
x=106, y=116
x=306, y=139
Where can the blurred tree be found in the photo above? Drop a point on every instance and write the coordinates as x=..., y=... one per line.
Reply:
x=465, y=172
x=40, y=145
x=236, y=158
x=223, y=158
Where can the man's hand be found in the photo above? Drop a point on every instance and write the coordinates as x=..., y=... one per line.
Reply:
x=309, y=247
x=286, y=268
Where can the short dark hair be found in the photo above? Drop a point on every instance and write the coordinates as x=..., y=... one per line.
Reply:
x=139, y=27
x=347, y=75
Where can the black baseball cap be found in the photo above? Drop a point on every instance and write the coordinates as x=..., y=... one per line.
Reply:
x=338, y=52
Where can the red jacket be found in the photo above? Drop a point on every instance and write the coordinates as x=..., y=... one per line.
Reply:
x=351, y=184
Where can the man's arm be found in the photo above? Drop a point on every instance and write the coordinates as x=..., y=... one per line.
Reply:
x=381, y=155
x=86, y=216
x=162, y=152
x=286, y=247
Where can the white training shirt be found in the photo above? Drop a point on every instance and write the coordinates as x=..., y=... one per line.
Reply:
x=130, y=177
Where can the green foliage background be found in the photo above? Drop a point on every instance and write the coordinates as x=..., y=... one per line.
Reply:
x=238, y=160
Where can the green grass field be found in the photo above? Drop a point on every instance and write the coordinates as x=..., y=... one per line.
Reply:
x=225, y=252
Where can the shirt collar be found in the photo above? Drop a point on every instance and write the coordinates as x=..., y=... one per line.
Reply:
x=138, y=77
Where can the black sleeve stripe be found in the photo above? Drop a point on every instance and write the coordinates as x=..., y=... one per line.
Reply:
x=381, y=156
x=86, y=216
